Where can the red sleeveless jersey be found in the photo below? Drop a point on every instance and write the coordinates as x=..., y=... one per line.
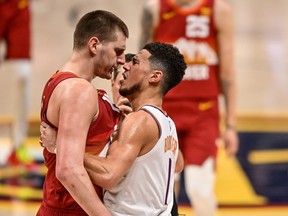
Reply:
x=55, y=194
x=15, y=30
x=193, y=32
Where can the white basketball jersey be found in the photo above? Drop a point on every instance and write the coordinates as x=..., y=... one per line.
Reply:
x=147, y=188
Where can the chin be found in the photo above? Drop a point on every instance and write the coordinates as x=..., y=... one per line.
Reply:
x=108, y=77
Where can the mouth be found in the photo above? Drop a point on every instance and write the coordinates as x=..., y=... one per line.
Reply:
x=124, y=76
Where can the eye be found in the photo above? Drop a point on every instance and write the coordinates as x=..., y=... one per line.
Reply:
x=119, y=52
x=134, y=61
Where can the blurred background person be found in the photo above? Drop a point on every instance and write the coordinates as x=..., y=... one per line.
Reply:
x=15, y=36
x=203, y=31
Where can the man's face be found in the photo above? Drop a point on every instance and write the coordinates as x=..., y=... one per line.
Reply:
x=136, y=74
x=110, y=56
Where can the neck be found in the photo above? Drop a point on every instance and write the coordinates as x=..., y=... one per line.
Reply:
x=79, y=65
x=137, y=103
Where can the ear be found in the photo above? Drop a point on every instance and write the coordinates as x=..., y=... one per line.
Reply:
x=156, y=76
x=93, y=43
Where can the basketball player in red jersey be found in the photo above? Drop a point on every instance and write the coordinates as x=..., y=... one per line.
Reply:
x=15, y=33
x=84, y=116
x=203, y=31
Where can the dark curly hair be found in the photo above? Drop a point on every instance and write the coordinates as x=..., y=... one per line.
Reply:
x=169, y=60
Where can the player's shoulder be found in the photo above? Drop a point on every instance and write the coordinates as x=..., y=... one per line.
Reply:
x=76, y=84
x=140, y=117
x=152, y=6
x=139, y=114
x=141, y=124
x=76, y=87
x=222, y=7
x=223, y=13
x=151, y=3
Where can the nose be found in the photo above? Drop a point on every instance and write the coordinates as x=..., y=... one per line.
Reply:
x=126, y=66
x=121, y=59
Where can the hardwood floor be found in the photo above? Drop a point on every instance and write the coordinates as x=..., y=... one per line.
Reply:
x=22, y=208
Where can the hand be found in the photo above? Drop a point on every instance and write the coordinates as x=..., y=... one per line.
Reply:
x=231, y=141
x=124, y=105
x=48, y=137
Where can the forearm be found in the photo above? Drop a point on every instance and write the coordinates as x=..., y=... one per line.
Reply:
x=230, y=134
x=229, y=94
x=78, y=184
x=147, y=27
x=224, y=20
x=99, y=171
x=179, y=163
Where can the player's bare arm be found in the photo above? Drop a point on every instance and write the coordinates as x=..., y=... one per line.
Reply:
x=179, y=163
x=149, y=21
x=225, y=25
x=137, y=136
x=73, y=121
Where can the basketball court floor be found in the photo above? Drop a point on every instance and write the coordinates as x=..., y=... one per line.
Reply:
x=21, y=208
x=21, y=189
